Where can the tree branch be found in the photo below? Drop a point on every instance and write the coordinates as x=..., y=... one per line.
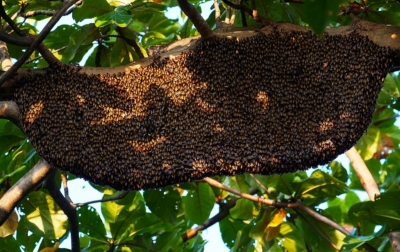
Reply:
x=9, y=110
x=365, y=176
x=371, y=187
x=116, y=197
x=67, y=208
x=201, y=25
x=66, y=5
x=270, y=202
x=22, y=188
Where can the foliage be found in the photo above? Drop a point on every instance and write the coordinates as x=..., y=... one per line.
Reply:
x=155, y=220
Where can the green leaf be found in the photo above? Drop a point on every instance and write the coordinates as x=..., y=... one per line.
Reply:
x=369, y=142
x=319, y=13
x=45, y=215
x=237, y=183
x=319, y=186
x=314, y=239
x=9, y=244
x=91, y=224
x=338, y=208
x=163, y=203
x=122, y=53
x=119, y=16
x=199, y=203
x=339, y=172
x=85, y=36
x=243, y=242
x=244, y=209
x=291, y=238
x=91, y=9
x=389, y=91
x=353, y=242
x=385, y=210
x=229, y=228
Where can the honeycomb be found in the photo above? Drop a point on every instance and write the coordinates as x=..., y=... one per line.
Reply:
x=264, y=104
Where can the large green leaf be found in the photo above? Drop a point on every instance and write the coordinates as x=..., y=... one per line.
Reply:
x=319, y=186
x=315, y=241
x=352, y=242
x=163, y=203
x=199, y=203
x=91, y=224
x=369, y=142
x=83, y=37
x=91, y=9
x=244, y=209
x=44, y=215
x=338, y=208
x=119, y=16
x=384, y=211
x=229, y=228
x=319, y=13
x=290, y=238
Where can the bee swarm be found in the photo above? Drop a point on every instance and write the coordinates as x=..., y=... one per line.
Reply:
x=264, y=104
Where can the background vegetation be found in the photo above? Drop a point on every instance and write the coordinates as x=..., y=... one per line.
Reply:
x=315, y=211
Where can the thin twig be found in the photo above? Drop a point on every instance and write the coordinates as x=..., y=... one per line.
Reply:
x=65, y=186
x=30, y=181
x=66, y=5
x=258, y=182
x=116, y=197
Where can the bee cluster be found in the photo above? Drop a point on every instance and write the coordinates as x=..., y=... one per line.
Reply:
x=265, y=104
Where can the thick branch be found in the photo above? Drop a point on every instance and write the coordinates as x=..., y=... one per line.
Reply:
x=67, y=208
x=22, y=188
x=201, y=25
x=9, y=110
x=365, y=176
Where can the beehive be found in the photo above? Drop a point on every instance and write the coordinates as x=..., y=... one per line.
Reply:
x=264, y=104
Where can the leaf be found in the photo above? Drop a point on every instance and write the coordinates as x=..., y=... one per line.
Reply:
x=90, y=223
x=229, y=228
x=119, y=16
x=244, y=209
x=339, y=172
x=10, y=225
x=369, y=142
x=163, y=203
x=291, y=238
x=314, y=239
x=84, y=36
x=91, y=9
x=199, y=203
x=385, y=210
x=319, y=13
x=122, y=53
x=45, y=215
x=353, y=242
x=319, y=186
x=243, y=242
x=338, y=208
x=268, y=227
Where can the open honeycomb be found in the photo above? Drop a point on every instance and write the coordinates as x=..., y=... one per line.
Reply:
x=264, y=104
